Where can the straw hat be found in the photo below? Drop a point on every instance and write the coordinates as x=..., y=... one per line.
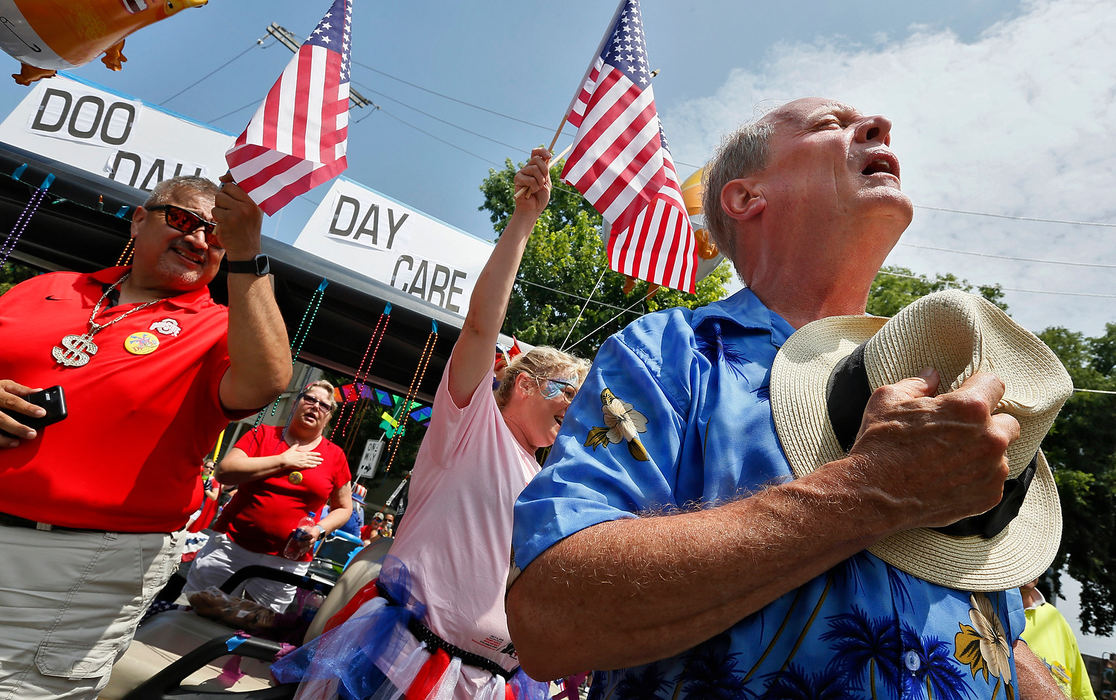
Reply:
x=818, y=391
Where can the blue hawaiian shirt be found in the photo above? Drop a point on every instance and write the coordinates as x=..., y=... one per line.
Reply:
x=676, y=411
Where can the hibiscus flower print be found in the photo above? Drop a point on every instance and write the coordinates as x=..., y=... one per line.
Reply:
x=984, y=647
x=622, y=422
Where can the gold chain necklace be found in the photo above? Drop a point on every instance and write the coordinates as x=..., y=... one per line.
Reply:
x=77, y=349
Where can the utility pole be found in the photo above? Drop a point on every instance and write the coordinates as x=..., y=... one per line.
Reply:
x=287, y=38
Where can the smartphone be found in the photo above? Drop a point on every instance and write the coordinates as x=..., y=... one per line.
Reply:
x=52, y=399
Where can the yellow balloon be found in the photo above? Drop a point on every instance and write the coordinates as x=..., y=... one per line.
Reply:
x=691, y=192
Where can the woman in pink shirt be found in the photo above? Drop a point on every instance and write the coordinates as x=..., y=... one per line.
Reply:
x=433, y=624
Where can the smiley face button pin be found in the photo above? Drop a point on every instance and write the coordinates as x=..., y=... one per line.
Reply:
x=141, y=343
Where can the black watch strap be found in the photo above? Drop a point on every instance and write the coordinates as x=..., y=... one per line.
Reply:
x=259, y=266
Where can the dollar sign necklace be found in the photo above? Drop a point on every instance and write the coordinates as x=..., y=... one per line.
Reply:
x=77, y=349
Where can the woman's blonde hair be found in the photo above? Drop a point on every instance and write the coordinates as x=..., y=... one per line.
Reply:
x=541, y=363
x=323, y=384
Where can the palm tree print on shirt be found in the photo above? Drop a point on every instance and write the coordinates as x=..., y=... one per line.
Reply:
x=937, y=677
x=796, y=683
x=866, y=648
x=709, y=671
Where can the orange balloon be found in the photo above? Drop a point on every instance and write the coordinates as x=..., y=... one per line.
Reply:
x=706, y=248
x=51, y=35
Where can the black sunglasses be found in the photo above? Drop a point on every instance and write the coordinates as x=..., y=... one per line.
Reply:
x=317, y=403
x=185, y=221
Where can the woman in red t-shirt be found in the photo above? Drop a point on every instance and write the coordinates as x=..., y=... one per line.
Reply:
x=211, y=491
x=283, y=474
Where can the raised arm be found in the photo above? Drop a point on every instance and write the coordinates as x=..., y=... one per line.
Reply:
x=471, y=362
x=631, y=591
x=259, y=351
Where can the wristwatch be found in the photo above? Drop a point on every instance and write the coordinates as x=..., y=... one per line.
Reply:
x=258, y=266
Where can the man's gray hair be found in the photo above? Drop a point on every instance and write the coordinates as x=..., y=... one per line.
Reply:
x=740, y=154
x=164, y=191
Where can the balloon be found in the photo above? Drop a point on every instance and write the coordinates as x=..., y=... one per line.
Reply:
x=51, y=35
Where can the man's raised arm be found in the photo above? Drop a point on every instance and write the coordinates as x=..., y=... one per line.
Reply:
x=259, y=350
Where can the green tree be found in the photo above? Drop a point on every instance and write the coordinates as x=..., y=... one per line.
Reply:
x=1081, y=449
x=895, y=287
x=12, y=273
x=563, y=263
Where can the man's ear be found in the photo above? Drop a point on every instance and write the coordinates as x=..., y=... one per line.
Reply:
x=138, y=217
x=743, y=199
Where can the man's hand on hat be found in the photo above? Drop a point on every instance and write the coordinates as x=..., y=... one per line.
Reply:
x=932, y=460
x=12, y=402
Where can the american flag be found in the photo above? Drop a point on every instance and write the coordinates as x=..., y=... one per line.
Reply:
x=621, y=163
x=297, y=138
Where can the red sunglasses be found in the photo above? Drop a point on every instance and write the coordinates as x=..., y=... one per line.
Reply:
x=186, y=221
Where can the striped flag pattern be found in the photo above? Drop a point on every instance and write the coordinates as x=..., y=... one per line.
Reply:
x=298, y=136
x=621, y=164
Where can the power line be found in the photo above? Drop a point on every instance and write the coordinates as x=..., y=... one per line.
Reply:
x=1018, y=218
x=439, y=138
x=1106, y=266
x=220, y=66
x=575, y=296
x=253, y=103
x=451, y=99
x=627, y=310
x=439, y=119
x=1014, y=289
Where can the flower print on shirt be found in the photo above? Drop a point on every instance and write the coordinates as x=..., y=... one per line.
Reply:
x=984, y=646
x=622, y=423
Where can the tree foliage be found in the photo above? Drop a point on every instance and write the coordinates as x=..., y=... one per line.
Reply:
x=12, y=273
x=564, y=263
x=1081, y=447
x=895, y=287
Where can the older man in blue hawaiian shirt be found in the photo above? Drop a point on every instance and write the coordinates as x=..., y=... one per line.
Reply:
x=665, y=540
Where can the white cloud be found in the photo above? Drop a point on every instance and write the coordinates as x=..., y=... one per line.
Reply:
x=1020, y=122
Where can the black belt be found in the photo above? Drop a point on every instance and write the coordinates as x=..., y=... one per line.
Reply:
x=16, y=521
x=425, y=634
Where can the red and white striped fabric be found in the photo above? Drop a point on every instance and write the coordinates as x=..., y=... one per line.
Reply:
x=298, y=136
x=621, y=164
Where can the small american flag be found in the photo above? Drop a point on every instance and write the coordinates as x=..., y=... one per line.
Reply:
x=297, y=138
x=621, y=163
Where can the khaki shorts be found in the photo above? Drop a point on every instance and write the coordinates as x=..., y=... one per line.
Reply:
x=70, y=603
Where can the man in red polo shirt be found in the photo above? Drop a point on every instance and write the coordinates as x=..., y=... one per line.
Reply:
x=152, y=370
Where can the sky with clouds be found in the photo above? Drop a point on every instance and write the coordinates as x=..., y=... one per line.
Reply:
x=1015, y=121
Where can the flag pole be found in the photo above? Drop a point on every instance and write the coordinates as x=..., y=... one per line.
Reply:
x=558, y=133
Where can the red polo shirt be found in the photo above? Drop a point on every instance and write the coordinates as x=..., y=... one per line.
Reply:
x=263, y=512
x=127, y=457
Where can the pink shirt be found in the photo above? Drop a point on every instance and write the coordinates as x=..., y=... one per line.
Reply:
x=456, y=536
